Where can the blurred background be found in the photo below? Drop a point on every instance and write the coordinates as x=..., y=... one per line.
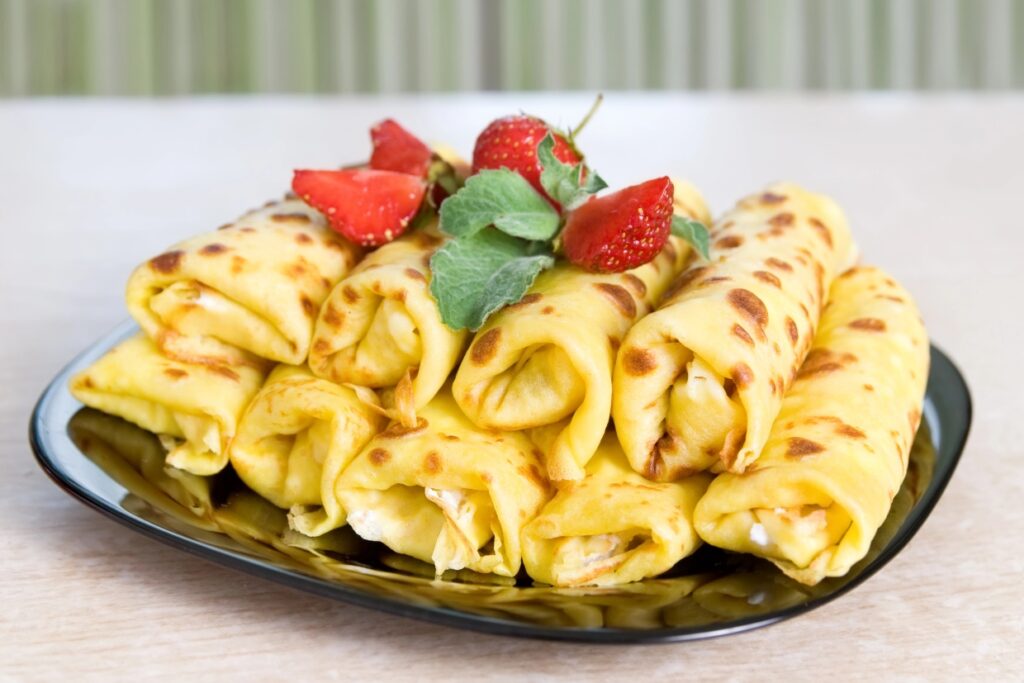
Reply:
x=180, y=47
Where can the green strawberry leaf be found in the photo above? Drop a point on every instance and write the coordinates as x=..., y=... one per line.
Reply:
x=593, y=183
x=501, y=198
x=563, y=182
x=694, y=232
x=475, y=275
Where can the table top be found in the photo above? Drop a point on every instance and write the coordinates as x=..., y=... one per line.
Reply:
x=933, y=187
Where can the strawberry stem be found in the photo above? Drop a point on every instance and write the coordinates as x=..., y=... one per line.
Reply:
x=586, y=119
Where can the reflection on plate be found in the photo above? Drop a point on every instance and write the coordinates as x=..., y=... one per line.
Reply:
x=118, y=469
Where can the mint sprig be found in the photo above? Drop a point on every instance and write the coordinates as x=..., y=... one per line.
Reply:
x=694, y=232
x=477, y=274
x=501, y=198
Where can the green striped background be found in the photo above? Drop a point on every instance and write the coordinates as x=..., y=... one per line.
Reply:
x=174, y=47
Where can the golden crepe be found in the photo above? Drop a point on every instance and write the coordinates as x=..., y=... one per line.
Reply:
x=550, y=356
x=381, y=328
x=445, y=491
x=294, y=440
x=614, y=526
x=699, y=382
x=194, y=408
x=254, y=285
x=839, y=449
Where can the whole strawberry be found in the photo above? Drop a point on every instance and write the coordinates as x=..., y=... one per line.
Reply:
x=511, y=143
x=622, y=230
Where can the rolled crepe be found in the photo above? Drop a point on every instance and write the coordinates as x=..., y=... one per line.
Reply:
x=613, y=527
x=253, y=287
x=838, y=451
x=193, y=408
x=380, y=325
x=699, y=382
x=445, y=491
x=294, y=440
x=550, y=356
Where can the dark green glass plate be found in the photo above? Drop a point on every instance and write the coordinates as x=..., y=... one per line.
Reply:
x=118, y=469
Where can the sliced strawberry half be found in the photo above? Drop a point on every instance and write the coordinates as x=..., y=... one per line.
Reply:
x=368, y=207
x=396, y=149
x=620, y=231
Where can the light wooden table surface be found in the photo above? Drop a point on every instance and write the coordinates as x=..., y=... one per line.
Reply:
x=934, y=189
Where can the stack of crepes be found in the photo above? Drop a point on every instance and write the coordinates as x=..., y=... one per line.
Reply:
x=332, y=386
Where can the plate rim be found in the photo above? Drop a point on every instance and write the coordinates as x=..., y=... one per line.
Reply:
x=446, y=616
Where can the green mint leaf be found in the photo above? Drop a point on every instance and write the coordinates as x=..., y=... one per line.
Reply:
x=501, y=198
x=475, y=275
x=693, y=232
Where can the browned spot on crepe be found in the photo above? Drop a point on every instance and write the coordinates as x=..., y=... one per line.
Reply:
x=620, y=297
x=167, y=263
x=614, y=342
x=531, y=298
x=638, y=362
x=290, y=218
x=303, y=238
x=868, y=324
x=750, y=305
x=237, y=264
x=332, y=316
x=792, y=330
x=685, y=279
x=485, y=346
x=713, y=279
x=772, y=198
x=781, y=220
x=349, y=294
x=769, y=278
x=636, y=283
x=742, y=375
x=321, y=347
x=820, y=361
x=432, y=463
x=379, y=456
x=415, y=274
x=821, y=229
x=175, y=373
x=850, y=431
x=778, y=263
x=225, y=372
x=729, y=386
x=728, y=242
x=799, y=447
x=743, y=335
x=213, y=249
x=295, y=270
x=547, y=310
x=308, y=307
x=869, y=387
